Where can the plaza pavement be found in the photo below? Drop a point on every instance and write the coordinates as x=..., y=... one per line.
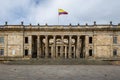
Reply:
x=59, y=72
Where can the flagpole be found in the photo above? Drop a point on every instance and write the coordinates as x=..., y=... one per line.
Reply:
x=58, y=16
x=58, y=19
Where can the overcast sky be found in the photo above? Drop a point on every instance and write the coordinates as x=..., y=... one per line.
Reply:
x=46, y=11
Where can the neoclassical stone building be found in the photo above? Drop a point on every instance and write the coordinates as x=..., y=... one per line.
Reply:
x=60, y=41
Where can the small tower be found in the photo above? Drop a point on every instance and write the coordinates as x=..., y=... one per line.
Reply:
x=70, y=25
x=46, y=24
x=22, y=22
x=30, y=24
x=6, y=23
x=111, y=23
x=95, y=23
x=86, y=24
x=38, y=24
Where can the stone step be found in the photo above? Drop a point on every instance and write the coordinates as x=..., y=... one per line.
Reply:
x=58, y=62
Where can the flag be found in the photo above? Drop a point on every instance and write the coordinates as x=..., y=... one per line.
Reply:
x=61, y=11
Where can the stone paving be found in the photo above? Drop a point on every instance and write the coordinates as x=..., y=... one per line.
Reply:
x=59, y=72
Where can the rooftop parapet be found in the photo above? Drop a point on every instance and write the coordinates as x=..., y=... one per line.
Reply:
x=59, y=26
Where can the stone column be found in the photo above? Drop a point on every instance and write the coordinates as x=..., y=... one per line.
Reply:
x=38, y=46
x=56, y=51
x=62, y=38
x=86, y=46
x=78, y=47
x=74, y=51
x=46, y=46
x=65, y=52
x=54, y=47
x=30, y=43
x=70, y=45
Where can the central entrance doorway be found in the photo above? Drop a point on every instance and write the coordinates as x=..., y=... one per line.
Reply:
x=34, y=46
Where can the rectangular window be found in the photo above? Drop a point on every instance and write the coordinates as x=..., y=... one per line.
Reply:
x=115, y=40
x=115, y=52
x=26, y=52
x=1, y=52
x=90, y=40
x=90, y=52
x=26, y=39
x=1, y=39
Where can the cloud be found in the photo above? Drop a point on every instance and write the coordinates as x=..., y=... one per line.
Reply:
x=10, y=10
x=46, y=11
x=49, y=13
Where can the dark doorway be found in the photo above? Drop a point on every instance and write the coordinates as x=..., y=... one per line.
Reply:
x=34, y=46
x=26, y=52
x=90, y=52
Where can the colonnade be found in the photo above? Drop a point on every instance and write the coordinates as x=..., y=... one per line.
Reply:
x=69, y=49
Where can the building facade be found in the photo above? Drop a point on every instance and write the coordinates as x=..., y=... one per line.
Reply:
x=60, y=41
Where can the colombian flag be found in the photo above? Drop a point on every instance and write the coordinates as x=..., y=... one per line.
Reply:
x=61, y=11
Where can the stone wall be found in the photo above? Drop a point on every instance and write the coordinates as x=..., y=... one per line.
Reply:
x=103, y=46
x=14, y=44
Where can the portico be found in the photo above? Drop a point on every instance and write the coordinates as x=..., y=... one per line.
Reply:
x=58, y=46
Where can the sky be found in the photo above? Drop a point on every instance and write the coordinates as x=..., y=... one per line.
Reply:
x=46, y=11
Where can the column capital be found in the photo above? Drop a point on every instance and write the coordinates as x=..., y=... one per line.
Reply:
x=46, y=35
x=70, y=35
x=38, y=35
x=62, y=36
x=78, y=35
x=54, y=35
